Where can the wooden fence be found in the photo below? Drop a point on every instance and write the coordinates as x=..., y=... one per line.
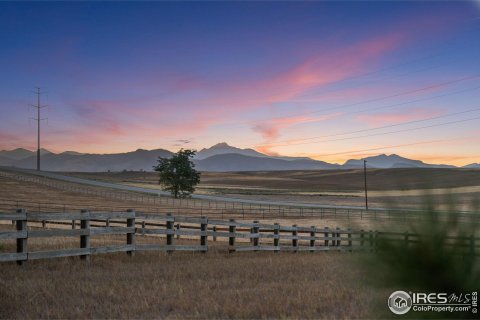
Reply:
x=241, y=236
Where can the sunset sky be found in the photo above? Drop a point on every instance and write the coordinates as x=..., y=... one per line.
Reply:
x=329, y=80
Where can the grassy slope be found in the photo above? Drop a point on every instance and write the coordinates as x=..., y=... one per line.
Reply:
x=321, y=180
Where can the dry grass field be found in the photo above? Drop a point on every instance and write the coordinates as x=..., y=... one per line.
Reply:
x=400, y=187
x=187, y=285
x=318, y=180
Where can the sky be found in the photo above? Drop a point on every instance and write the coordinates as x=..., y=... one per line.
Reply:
x=328, y=80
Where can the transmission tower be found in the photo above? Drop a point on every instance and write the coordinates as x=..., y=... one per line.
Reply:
x=38, y=107
x=365, y=180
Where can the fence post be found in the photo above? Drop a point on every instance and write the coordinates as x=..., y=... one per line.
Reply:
x=361, y=237
x=325, y=234
x=214, y=229
x=251, y=231
x=143, y=227
x=178, y=228
x=85, y=239
x=73, y=224
x=232, y=229
x=276, y=237
x=131, y=235
x=349, y=239
x=295, y=237
x=44, y=224
x=312, y=235
x=107, y=223
x=22, y=242
x=170, y=232
x=204, y=233
x=339, y=242
x=255, y=230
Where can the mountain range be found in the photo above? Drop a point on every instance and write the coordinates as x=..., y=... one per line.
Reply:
x=220, y=157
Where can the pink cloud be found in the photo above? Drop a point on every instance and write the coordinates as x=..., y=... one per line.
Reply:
x=316, y=72
x=322, y=70
x=267, y=150
x=270, y=130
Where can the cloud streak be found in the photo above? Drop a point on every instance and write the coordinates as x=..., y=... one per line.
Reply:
x=270, y=130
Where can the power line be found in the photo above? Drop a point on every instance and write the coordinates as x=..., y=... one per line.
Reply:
x=387, y=147
x=304, y=141
x=416, y=100
x=371, y=81
x=323, y=111
x=376, y=99
x=381, y=70
x=383, y=107
x=427, y=57
x=391, y=132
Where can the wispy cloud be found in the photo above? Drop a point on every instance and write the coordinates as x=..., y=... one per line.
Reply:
x=267, y=150
x=270, y=130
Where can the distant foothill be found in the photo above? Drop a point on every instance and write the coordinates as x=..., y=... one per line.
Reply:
x=218, y=158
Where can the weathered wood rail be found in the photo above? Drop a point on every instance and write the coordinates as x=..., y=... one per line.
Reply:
x=241, y=236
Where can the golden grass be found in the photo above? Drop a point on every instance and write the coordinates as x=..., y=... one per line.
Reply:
x=188, y=285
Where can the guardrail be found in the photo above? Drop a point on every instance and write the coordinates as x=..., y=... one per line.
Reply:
x=241, y=236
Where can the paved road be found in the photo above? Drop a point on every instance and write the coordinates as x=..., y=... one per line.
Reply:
x=195, y=196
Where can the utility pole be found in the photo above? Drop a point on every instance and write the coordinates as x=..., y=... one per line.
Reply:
x=365, y=179
x=38, y=107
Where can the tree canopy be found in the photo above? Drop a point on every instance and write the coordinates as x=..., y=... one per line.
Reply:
x=178, y=174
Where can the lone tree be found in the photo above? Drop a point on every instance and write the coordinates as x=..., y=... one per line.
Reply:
x=178, y=174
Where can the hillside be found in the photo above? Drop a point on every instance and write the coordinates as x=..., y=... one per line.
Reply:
x=136, y=160
x=238, y=162
x=384, y=161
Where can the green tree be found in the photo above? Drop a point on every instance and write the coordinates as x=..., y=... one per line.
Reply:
x=178, y=174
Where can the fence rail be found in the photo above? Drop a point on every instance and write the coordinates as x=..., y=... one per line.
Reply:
x=241, y=236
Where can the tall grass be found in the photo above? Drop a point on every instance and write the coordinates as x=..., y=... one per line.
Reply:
x=441, y=260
